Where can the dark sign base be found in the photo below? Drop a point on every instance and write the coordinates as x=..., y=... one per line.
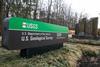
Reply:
x=29, y=52
x=29, y=39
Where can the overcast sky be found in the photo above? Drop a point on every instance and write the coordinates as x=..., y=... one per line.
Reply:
x=91, y=7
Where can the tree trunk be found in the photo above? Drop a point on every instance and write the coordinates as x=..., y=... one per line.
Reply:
x=49, y=11
x=35, y=11
x=1, y=5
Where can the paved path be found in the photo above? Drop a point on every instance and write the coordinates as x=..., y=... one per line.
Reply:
x=0, y=38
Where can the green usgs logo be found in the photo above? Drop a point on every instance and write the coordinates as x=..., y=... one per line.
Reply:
x=29, y=25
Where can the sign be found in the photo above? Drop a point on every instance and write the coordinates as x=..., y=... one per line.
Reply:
x=24, y=33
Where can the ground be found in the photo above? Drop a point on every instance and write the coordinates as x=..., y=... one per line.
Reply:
x=67, y=56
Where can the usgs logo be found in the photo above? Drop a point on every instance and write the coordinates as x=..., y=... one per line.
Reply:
x=29, y=25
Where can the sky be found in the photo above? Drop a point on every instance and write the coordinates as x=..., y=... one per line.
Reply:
x=90, y=7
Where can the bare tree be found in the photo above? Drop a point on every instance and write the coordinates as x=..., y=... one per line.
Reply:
x=19, y=8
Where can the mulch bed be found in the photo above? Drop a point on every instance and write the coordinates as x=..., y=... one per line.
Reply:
x=87, y=61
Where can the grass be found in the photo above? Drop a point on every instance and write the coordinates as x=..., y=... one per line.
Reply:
x=63, y=57
x=85, y=41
